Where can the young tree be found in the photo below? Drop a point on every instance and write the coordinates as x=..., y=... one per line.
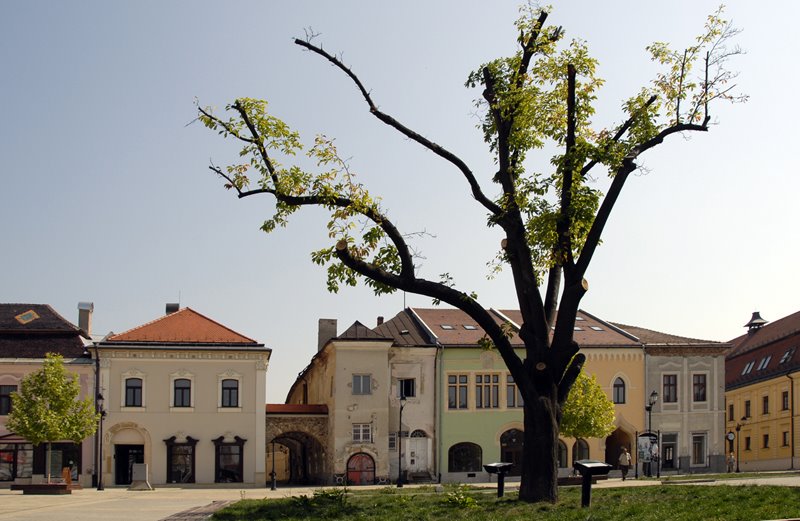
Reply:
x=46, y=408
x=552, y=222
x=587, y=411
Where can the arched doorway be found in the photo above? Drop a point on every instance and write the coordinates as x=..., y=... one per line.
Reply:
x=614, y=443
x=128, y=448
x=361, y=469
x=418, y=449
x=511, y=450
x=299, y=459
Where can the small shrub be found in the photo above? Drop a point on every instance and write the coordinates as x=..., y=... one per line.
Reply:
x=458, y=498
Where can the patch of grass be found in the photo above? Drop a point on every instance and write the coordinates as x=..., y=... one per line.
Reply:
x=656, y=503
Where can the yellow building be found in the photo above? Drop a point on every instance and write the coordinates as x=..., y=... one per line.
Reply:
x=761, y=384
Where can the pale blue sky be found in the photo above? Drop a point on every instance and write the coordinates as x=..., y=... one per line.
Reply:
x=106, y=194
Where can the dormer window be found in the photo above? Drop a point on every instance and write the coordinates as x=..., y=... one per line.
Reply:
x=447, y=327
x=764, y=363
x=748, y=368
x=787, y=356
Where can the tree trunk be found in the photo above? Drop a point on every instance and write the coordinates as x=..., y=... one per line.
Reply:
x=48, y=455
x=540, y=451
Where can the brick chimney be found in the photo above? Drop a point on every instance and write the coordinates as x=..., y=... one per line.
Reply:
x=85, y=310
x=327, y=330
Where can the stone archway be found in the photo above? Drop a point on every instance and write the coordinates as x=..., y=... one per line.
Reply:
x=125, y=438
x=614, y=443
x=304, y=456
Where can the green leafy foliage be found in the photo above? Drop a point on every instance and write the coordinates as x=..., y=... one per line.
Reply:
x=47, y=408
x=587, y=412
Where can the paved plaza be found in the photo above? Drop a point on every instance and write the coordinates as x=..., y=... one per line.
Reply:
x=197, y=503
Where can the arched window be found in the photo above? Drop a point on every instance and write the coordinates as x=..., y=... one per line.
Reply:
x=580, y=450
x=464, y=457
x=619, y=391
x=419, y=434
x=133, y=392
x=183, y=393
x=562, y=454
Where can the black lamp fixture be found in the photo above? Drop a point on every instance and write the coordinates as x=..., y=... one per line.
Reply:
x=738, y=428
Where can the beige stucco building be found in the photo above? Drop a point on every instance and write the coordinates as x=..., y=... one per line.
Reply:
x=359, y=376
x=185, y=395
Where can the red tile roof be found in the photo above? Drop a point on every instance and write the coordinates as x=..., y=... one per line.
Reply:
x=185, y=326
x=454, y=327
x=296, y=408
x=762, y=354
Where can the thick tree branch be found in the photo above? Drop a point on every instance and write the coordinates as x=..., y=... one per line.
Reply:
x=628, y=166
x=437, y=290
x=437, y=149
x=564, y=225
x=406, y=259
x=570, y=375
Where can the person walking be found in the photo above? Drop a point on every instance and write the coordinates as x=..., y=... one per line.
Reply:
x=731, y=462
x=624, y=462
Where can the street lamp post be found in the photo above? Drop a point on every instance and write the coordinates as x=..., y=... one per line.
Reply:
x=739, y=425
x=651, y=401
x=400, y=442
x=102, y=412
x=272, y=474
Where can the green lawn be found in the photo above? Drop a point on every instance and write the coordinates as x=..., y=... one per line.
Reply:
x=656, y=503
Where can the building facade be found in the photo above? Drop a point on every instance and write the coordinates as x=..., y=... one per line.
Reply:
x=688, y=375
x=761, y=392
x=185, y=395
x=27, y=333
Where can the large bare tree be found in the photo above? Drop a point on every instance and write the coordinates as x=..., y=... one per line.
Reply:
x=552, y=222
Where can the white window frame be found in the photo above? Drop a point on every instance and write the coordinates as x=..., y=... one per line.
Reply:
x=133, y=373
x=180, y=375
x=359, y=431
x=229, y=375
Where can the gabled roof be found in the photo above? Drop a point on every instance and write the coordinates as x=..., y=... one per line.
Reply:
x=406, y=330
x=765, y=353
x=771, y=332
x=359, y=331
x=33, y=330
x=656, y=342
x=185, y=326
x=590, y=331
x=453, y=327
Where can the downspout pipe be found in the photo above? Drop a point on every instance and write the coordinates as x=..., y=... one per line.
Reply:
x=791, y=423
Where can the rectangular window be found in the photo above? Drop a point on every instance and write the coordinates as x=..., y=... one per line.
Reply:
x=406, y=388
x=392, y=441
x=747, y=408
x=670, y=388
x=183, y=393
x=698, y=449
x=764, y=363
x=765, y=405
x=487, y=391
x=5, y=398
x=766, y=441
x=699, y=387
x=730, y=412
x=362, y=432
x=362, y=384
x=180, y=462
x=748, y=367
x=747, y=443
x=513, y=396
x=785, y=400
x=133, y=392
x=229, y=466
x=457, y=391
x=785, y=441
x=230, y=393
